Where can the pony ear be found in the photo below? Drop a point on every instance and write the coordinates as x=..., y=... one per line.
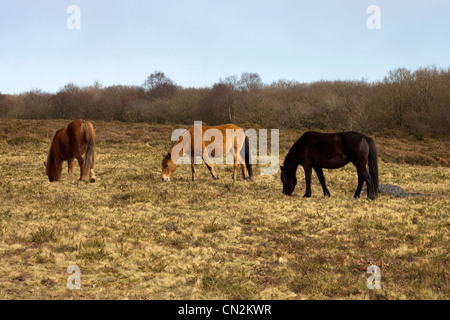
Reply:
x=169, y=155
x=45, y=164
x=281, y=168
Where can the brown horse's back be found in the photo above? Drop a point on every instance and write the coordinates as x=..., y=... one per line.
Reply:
x=223, y=130
x=67, y=141
x=78, y=134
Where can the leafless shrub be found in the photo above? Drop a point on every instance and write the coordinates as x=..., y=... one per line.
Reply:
x=34, y=104
x=6, y=103
x=414, y=102
x=219, y=105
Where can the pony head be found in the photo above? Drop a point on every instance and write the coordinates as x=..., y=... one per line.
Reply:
x=53, y=166
x=52, y=169
x=168, y=167
x=289, y=181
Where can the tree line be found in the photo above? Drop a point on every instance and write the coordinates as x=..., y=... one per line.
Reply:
x=417, y=102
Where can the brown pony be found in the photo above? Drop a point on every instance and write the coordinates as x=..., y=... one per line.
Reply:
x=186, y=143
x=70, y=143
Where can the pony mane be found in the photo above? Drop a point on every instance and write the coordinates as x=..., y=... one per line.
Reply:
x=290, y=163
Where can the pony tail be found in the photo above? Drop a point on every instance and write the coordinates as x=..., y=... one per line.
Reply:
x=90, y=141
x=373, y=168
x=247, y=158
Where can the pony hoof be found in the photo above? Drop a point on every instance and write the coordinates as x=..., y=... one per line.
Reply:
x=216, y=178
x=92, y=180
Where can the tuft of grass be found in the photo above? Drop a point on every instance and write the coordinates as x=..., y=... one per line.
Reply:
x=234, y=286
x=25, y=140
x=42, y=235
x=92, y=250
x=5, y=215
x=214, y=227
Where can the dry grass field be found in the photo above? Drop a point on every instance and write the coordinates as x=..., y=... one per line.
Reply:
x=135, y=237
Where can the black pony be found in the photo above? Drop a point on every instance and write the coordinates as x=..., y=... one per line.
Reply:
x=315, y=150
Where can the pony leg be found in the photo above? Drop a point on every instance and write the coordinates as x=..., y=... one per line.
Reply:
x=194, y=174
x=241, y=162
x=235, y=171
x=245, y=173
x=92, y=175
x=235, y=161
x=79, y=156
x=208, y=163
x=321, y=177
x=308, y=172
x=236, y=166
x=366, y=177
x=360, y=185
x=363, y=175
x=81, y=164
x=91, y=171
x=213, y=173
x=70, y=168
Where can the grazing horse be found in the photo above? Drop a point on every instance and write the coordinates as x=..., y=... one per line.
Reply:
x=316, y=150
x=238, y=143
x=70, y=143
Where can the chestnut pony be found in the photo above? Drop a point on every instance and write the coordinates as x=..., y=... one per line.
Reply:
x=238, y=144
x=70, y=143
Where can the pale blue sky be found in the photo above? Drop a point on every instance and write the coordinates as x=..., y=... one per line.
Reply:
x=196, y=42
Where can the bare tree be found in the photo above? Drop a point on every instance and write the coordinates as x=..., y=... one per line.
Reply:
x=232, y=81
x=250, y=82
x=4, y=107
x=157, y=85
x=399, y=88
x=219, y=106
